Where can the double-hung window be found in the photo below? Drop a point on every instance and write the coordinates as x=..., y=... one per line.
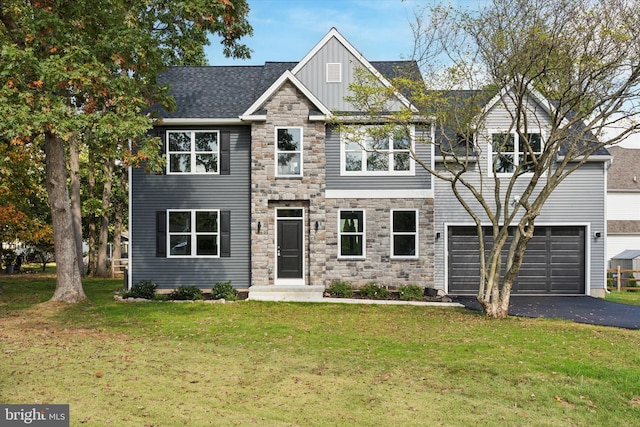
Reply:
x=193, y=151
x=289, y=151
x=351, y=234
x=193, y=233
x=368, y=152
x=404, y=234
x=512, y=151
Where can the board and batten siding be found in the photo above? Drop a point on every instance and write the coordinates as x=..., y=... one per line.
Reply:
x=152, y=193
x=313, y=76
x=421, y=180
x=579, y=200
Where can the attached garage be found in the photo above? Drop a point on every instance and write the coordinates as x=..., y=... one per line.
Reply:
x=554, y=261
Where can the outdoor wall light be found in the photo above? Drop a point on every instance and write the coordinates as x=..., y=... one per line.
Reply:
x=437, y=235
x=597, y=235
x=259, y=226
x=317, y=225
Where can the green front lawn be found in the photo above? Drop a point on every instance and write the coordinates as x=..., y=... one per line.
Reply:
x=281, y=364
x=624, y=297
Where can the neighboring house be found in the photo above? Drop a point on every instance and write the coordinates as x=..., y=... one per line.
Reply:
x=261, y=189
x=623, y=201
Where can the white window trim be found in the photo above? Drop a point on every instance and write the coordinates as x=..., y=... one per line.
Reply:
x=193, y=234
x=193, y=151
x=329, y=74
x=364, y=235
x=516, y=147
x=392, y=233
x=301, y=151
x=390, y=172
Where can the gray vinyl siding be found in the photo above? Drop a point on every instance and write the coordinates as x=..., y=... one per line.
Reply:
x=152, y=193
x=579, y=200
x=422, y=180
x=313, y=76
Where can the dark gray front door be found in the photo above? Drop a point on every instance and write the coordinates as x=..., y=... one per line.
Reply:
x=290, y=244
x=554, y=262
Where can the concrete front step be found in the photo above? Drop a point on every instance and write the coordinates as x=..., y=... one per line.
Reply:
x=286, y=293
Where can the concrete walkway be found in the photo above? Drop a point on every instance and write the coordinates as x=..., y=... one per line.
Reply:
x=581, y=309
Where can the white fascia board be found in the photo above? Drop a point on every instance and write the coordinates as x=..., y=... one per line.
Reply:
x=287, y=75
x=380, y=119
x=254, y=118
x=380, y=194
x=537, y=96
x=198, y=121
x=333, y=33
x=594, y=159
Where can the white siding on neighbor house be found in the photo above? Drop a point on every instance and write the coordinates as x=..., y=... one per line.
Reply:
x=618, y=243
x=623, y=206
x=313, y=76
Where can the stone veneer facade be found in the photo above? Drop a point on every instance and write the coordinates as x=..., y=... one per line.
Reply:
x=378, y=267
x=289, y=107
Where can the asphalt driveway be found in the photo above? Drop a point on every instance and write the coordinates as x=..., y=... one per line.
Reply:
x=581, y=309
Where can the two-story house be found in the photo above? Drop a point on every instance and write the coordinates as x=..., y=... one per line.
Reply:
x=262, y=189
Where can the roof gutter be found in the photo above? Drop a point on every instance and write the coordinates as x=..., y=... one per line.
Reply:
x=198, y=121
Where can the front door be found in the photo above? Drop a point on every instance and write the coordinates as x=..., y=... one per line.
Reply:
x=290, y=252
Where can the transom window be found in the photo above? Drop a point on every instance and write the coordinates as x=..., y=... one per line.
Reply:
x=367, y=152
x=289, y=151
x=404, y=234
x=193, y=151
x=193, y=233
x=352, y=234
x=510, y=152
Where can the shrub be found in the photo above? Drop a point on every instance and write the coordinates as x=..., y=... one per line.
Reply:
x=340, y=289
x=224, y=290
x=374, y=291
x=410, y=292
x=143, y=289
x=184, y=292
x=632, y=283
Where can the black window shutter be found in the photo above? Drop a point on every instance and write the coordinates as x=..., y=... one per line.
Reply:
x=161, y=233
x=225, y=234
x=225, y=153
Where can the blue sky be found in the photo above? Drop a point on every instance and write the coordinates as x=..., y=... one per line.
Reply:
x=286, y=30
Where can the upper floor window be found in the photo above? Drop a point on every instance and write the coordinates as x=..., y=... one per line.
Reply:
x=193, y=233
x=352, y=234
x=367, y=152
x=289, y=151
x=511, y=151
x=193, y=151
x=404, y=234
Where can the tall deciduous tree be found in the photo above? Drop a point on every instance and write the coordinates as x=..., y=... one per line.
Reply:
x=579, y=58
x=67, y=66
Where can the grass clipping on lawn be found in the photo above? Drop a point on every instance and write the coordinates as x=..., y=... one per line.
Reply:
x=166, y=364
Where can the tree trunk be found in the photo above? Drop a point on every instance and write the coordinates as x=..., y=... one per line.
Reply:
x=76, y=206
x=91, y=220
x=68, y=281
x=103, y=237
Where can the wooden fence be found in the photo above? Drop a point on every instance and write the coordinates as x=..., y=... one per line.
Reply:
x=118, y=266
x=615, y=279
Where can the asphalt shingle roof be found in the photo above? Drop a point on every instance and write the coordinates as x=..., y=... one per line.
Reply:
x=228, y=91
x=624, y=169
